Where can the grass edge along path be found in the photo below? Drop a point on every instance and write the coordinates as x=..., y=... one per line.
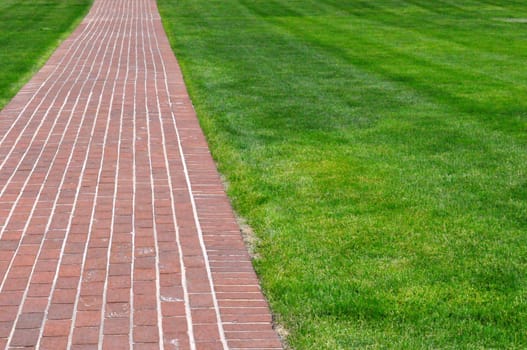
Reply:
x=30, y=31
x=378, y=150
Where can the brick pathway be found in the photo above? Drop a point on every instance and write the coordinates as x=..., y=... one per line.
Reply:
x=115, y=231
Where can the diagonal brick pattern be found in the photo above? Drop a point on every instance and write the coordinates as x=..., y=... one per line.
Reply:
x=115, y=231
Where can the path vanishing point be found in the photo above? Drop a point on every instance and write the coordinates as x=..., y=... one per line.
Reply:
x=115, y=230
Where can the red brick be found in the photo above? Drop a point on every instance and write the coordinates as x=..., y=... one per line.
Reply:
x=15, y=284
x=10, y=298
x=85, y=335
x=89, y=303
x=206, y=332
x=37, y=304
x=54, y=343
x=121, y=295
x=60, y=311
x=145, y=302
x=43, y=277
x=214, y=345
x=39, y=290
x=67, y=282
x=117, y=326
x=64, y=296
x=116, y=342
x=88, y=318
x=117, y=310
x=256, y=344
x=57, y=328
x=24, y=337
x=146, y=334
x=8, y=313
x=5, y=328
x=145, y=317
x=203, y=316
x=146, y=346
x=30, y=320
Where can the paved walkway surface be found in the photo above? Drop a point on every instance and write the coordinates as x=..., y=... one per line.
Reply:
x=115, y=231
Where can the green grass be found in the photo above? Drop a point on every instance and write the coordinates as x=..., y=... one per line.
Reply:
x=29, y=32
x=379, y=151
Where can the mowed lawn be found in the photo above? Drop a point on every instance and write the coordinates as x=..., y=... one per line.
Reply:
x=378, y=149
x=29, y=31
